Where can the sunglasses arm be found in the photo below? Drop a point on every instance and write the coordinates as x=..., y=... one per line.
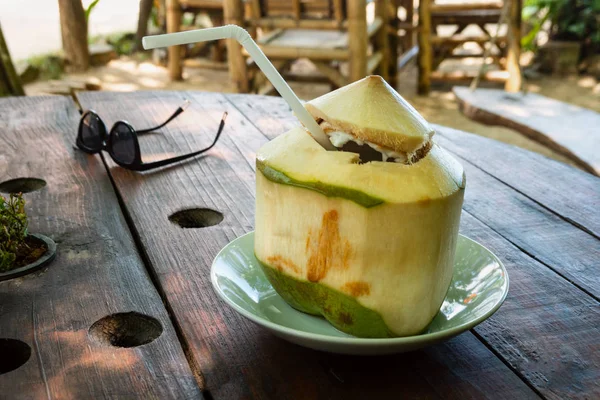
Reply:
x=179, y=110
x=168, y=161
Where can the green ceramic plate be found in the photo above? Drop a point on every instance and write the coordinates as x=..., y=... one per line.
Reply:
x=478, y=288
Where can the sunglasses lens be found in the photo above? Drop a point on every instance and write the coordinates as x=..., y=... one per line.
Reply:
x=91, y=134
x=123, y=145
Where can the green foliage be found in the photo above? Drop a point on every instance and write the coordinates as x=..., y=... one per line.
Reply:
x=89, y=9
x=122, y=42
x=571, y=20
x=50, y=66
x=13, y=229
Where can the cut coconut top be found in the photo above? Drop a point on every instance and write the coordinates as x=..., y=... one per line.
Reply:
x=372, y=111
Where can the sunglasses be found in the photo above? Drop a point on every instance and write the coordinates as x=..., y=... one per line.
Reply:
x=121, y=142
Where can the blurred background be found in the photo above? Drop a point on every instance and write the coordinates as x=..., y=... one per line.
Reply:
x=422, y=48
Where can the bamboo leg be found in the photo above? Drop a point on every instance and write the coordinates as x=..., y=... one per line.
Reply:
x=393, y=41
x=425, y=51
x=338, y=11
x=357, y=37
x=234, y=14
x=218, y=50
x=173, y=25
x=410, y=12
x=382, y=39
x=513, y=84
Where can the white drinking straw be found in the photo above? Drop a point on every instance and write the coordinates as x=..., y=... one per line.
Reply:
x=244, y=38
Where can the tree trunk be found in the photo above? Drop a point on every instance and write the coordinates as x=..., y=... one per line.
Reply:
x=142, y=27
x=73, y=28
x=10, y=84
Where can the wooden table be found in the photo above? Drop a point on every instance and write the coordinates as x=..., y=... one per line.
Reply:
x=118, y=252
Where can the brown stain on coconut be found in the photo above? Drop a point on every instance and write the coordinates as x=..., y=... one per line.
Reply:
x=357, y=288
x=282, y=263
x=327, y=250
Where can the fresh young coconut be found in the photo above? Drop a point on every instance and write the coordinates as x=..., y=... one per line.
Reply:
x=367, y=244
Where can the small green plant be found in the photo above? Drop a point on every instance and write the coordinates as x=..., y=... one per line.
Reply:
x=50, y=66
x=13, y=229
x=570, y=20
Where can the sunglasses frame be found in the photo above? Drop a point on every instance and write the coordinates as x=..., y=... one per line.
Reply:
x=137, y=164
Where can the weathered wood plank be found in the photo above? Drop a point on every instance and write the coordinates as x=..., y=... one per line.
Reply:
x=563, y=247
x=545, y=318
x=97, y=272
x=565, y=128
x=237, y=358
x=543, y=180
x=547, y=329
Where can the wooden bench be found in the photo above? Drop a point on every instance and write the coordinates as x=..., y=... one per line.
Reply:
x=565, y=128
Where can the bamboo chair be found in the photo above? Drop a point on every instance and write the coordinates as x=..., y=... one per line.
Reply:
x=433, y=48
x=174, y=13
x=327, y=32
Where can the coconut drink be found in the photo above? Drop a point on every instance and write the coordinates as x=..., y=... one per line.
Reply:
x=357, y=211
x=364, y=235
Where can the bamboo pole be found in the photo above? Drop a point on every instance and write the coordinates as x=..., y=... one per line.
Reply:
x=392, y=28
x=460, y=39
x=382, y=39
x=457, y=7
x=357, y=38
x=278, y=52
x=173, y=25
x=408, y=35
x=238, y=72
x=253, y=11
x=287, y=23
x=297, y=9
x=425, y=51
x=514, y=82
x=338, y=11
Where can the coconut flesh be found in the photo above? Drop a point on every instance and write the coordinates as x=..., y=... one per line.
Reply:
x=369, y=151
x=365, y=236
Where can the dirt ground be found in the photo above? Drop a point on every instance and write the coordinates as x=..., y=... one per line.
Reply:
x=439, y=107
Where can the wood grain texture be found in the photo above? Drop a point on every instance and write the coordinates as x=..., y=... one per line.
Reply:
x=534, y=227
x=568, y=129
x=547, y=329
x=97, y=272
x=237, y=358
x=547, y=237
x=566, y=191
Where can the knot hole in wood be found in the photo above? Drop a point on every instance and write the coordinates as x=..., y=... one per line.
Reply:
x=22, y=185
x=196, y=218
x=130, y=329
x=13, y=354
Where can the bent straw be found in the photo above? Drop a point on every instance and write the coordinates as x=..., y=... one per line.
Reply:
x=244, y=38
